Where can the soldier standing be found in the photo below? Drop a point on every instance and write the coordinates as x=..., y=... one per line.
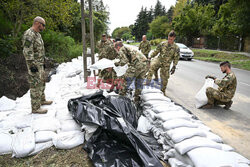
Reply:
x=169, y=52
x=136, y=69
x=34, y=53
x=145, y=46
x=227, y=87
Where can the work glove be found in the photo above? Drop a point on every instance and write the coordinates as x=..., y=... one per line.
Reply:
x=209, y=76
x=172, y=70
x=33, y=69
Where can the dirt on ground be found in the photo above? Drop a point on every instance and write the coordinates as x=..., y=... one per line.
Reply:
x=76, y=157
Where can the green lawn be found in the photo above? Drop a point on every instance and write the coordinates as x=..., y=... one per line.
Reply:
x=238, y=60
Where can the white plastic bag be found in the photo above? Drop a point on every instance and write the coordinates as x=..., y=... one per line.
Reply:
x=68, y=140
x=46, y=124
x=201, y=97
x=23, y=142
x=44, y=136
x=5, y=143
x=102, y=64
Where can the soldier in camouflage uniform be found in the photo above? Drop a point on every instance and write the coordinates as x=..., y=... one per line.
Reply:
x=227, y=87
x=145, y=46
x=169, y=52
x=106, y=50
x=136, y=69
x=34, y=53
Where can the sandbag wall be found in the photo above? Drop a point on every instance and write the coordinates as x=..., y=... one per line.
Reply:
x=186, y=141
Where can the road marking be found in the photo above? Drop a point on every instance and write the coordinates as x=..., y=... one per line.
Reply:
x=244, y=84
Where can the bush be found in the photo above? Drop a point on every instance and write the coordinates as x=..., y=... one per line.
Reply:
x=60, y=47
x=8, y=46
x=157, y=41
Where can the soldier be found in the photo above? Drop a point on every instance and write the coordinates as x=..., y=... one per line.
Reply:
x=226, y=90
x=34, y=53
x=136, y=69
x=145, y=46
x=106, y=50
x=169, y=52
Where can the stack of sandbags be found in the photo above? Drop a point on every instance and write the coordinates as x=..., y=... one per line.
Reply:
x=183, y=137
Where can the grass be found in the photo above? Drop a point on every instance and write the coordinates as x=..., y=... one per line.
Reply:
x=237, y=60
x=138, y=43
x=51, y=157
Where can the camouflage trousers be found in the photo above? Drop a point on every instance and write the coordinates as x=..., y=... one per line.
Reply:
x=138, y=75
x=164, y=73
x=37, y=87
x=216, y=97
x=107, y=75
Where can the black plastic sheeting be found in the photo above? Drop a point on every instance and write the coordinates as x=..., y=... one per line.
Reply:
x=116, y=142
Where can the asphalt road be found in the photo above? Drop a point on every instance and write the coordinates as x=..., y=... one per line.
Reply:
x=232, y=125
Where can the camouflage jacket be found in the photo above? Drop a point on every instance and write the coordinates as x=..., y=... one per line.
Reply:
x=227, y=85
x=168, y=53
x=106, y=50
x=133, y=58
x=33, y=47
x=145, y=47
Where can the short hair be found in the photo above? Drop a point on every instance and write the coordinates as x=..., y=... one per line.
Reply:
x=38, y=19
x=172, y=33
x=225, y=63
x=119, y=43
x=103, y=35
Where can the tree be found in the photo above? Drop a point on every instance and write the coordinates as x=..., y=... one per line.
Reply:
x=122, y=32
x=194, y=21
x=160, y=27
x=179, y=6
x=159, y=10
x=170, y=13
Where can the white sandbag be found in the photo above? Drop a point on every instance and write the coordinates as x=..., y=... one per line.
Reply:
x=44, y=136
x=213, y=137
x=120, y=70
x=150, y=114
x=16, y=120
x=6, y=104
x=201, y=97
x=69, y=125
x=172, y=153
x=176, y=163
x=102, y=64
x=46, y=124
x=182, y=133
x=23, y=142
x=5, y=143
x=155, y=96
x=68, y=140
x=211, y=157
x=176, y=123
x=173, y=115
x=41, y=146
x=166, y=108
x=195, y=142
x=153, y=90
x=144, y=125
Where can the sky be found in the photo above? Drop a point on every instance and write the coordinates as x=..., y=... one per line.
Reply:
x=124, y=12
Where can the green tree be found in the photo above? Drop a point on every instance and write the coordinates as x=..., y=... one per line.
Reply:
x=170, y=13
x=122, y=32
x=159, y=9
x=160, y=27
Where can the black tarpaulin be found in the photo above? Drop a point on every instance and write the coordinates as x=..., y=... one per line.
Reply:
x=116, y=142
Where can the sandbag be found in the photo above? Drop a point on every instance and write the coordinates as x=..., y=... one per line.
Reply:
x=179, y=134
x=69, y=125
x=176, y=123
x=68, y=140
x=201, y=97
x=102, y=64
x=144, y=125
x=5, y=143
x=173, y=115
x=155, y=96
x=120, y=70
x=211, y=157
x=176, y=163
x=6, y=104
x=44, y=136
x=46, y=124
x=89, y=130
x=172, y=153
x=152, y=90
x=23, y=142
x=195, y=142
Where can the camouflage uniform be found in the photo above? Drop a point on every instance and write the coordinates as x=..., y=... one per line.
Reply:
x=107, y=50
x=34, y=53
x=145, y=47
x=136, y=70
x=168, y=53
x=225, y=92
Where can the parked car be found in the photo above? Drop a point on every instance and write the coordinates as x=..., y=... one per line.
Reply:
x=130, y=41
x=185, y=52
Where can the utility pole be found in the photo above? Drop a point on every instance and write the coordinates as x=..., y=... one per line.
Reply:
x=84, y=35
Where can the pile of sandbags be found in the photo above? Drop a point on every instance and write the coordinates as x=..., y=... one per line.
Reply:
x=186, y=141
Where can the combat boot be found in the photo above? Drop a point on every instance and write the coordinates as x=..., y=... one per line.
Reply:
x=228, y=105
x=47, y=102
x=40, y=111
x=207, y=106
